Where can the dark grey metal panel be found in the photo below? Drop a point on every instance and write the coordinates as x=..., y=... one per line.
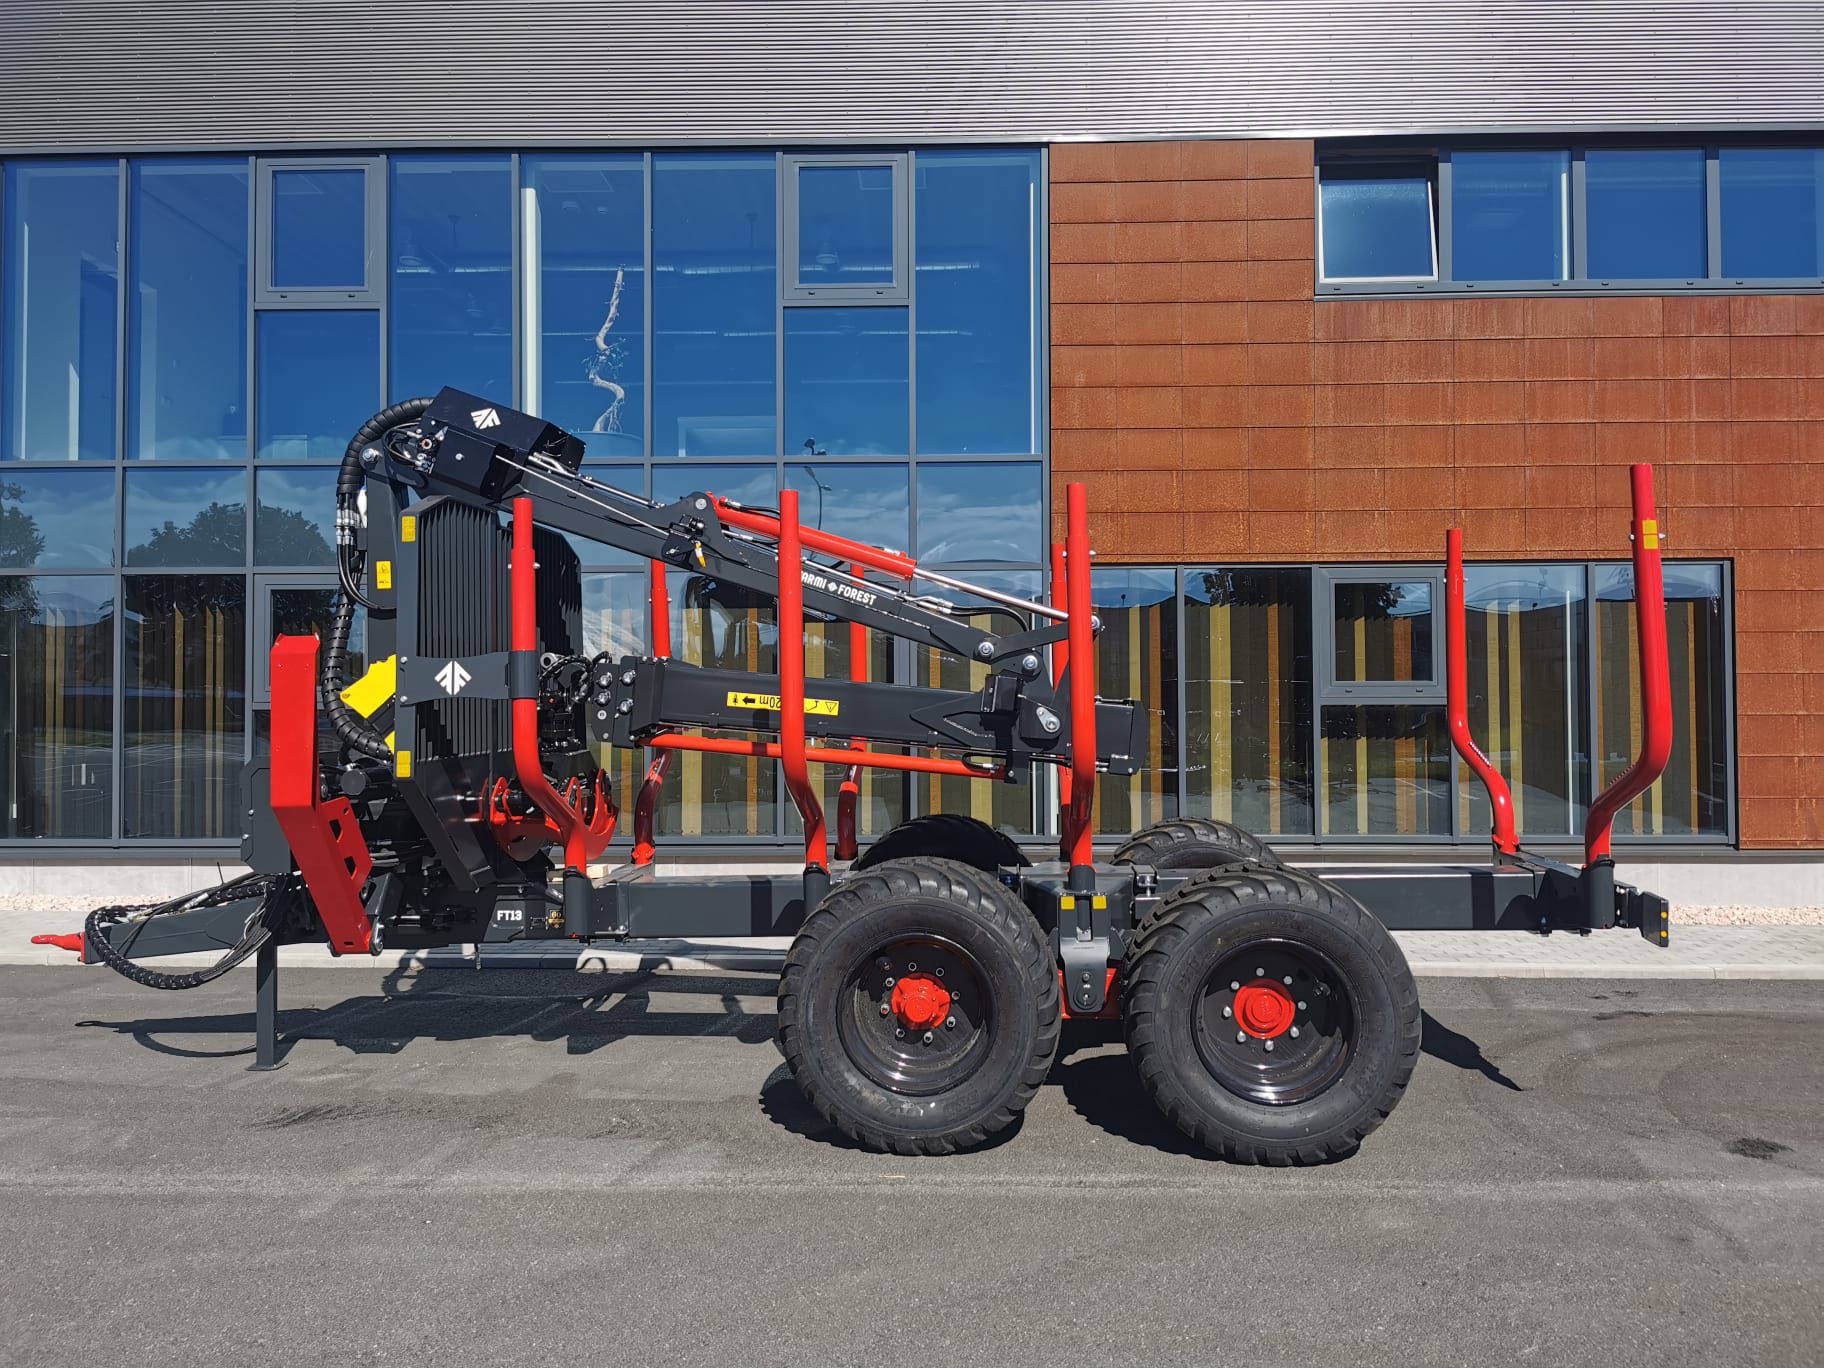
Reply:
x=335, y=73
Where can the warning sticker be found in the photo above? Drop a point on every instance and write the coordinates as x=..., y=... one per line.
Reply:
x=827, y=707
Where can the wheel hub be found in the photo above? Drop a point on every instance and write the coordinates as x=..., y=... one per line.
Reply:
x=920, y=1002
x=1264, y=1009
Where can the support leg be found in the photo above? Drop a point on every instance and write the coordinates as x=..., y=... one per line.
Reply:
x=266, y=1010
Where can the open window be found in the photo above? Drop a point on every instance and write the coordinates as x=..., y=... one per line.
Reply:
x=846, y=229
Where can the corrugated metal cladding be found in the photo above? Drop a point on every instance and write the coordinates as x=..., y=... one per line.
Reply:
x=113, y=73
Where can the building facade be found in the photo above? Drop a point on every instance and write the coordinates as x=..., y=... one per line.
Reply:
x=1288, y=320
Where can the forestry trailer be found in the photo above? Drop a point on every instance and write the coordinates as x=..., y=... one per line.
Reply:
x=456, y=794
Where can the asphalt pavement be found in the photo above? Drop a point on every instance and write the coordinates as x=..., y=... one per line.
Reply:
x=526, y=1166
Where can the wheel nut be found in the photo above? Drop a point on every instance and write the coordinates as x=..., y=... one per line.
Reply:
x=889, y=980
x=927, y=1037
x=1228, y=1011
x=1301, y=1006
x=955, y=996
x=949, y=1023
x=1293, y=1033
x=1259, y=972
x=1288, y=980
x=885, y=1010
x=1234, y=985
x=1268, y=1044
x=938, y=971
x=1241, y=1037
x=899, y=1032
x=911, y=968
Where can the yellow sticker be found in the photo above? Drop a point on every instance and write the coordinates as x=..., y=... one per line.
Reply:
x=824, y=707
x=408, y=528
x=368, y=694
x=383, y=574
x=402, y=764
x=1649, y=534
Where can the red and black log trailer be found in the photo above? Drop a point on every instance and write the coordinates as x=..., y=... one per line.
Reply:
x=456, y=794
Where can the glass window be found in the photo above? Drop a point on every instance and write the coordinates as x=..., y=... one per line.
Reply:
x=1247, y=684
x=715, y=296
x=980, y=513
x=585, y=272
x=615, y=613
x=1137, y=658
x=56, y=519
x=1377, y=222
x=866, y=503
x=1770, y=204
x=1692, y=797
x=847, y=382
x=451, y=259
x=57, y=706
x=977, y=330
x=319, y=380
x=307, y=610
x=294, y=522
x=1006, y=807
x=880, y=802
x=187, y=311
x=754, y=485
x=1383, y=631
x=628, y=478
x=319, y=228
x=60, y=288
x=1645, y=213
x=1509, y=217
x=185, y=700
x=1386, y=771
x=846, y=222
x=724, y=627
x=1526, y=637
x=186, y=517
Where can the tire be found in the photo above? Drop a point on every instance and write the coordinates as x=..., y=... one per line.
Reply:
x=1318, y=1094
x=948, y=836
x=983, y=959
x=1195, y=843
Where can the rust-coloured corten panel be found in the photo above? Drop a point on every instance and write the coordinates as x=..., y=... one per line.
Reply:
x=1219, y=413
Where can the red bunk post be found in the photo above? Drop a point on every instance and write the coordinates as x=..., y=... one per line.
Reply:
x=791, y=702
x=1655, y=675
x=1500, y=798
x=647, y=803
x=1060, y=657
x=1078, y=833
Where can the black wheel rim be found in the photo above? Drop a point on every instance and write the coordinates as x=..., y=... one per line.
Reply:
x=900, y=1043
x=1275, y=1022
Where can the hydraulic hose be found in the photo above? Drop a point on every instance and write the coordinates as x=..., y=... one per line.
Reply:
x=274, y=889
x=349, y=725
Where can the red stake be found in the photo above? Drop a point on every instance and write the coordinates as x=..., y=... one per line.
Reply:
x=1456, y=664
x=1060, y=657
x=1078, y=835
x=791, y=684
x=646, y=804
x=1655, y=674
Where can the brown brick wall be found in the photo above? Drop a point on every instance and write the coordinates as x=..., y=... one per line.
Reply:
x=1219, y=413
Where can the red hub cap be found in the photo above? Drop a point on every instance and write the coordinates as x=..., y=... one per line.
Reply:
x=1263, y=1008
x=920, y=1002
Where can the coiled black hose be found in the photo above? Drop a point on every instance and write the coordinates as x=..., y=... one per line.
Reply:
x=273, y=889
x=349, y=725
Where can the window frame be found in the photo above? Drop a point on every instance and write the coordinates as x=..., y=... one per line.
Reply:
x=374, y=190
x=1578, y=281
x=1327, y=688
x=793, y=291
x=1432, y=198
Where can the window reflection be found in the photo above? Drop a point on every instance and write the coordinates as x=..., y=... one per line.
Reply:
x=1692, y=796
x=845, y=225
x=56, y=519
x=979, y=512
x=187, y=311
x=1383, y=631
x=847, y=383
x=56, y=706
x=1247, y=685
x=1525, y=626
x=185, y=701
x=1770, y=211
x=1645, y=213
x=1137, y=658
x=866, y=503
x=451, y=258
x=1386, y=771
x=586, y=243
x=319, y=380
x=308, y=611
x=294, y=522
x=1377, y=222
x=615, y=612
x=977, y=219
x=59, y=288
x=1509, y=215
x=186, y=517
x=319, y=228
x=715, y=294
